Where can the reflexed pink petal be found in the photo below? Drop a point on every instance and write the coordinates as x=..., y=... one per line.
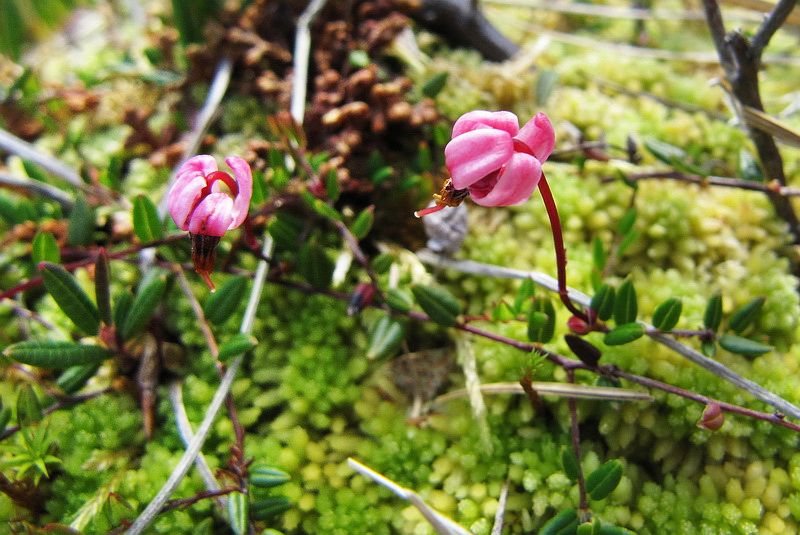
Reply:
x=515, y=184
x=473, y=155
x=204, y=164
x=212, y=216
x=244, y=178
x=184, y=196
x=538, y=134
x=473, y=120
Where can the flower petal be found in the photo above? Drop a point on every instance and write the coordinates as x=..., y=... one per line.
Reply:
x=515, y=183
x=473, y=155
x=539, y=136
x=473, y=120
x=212, y=217
x=184, y=196
x=244, y=179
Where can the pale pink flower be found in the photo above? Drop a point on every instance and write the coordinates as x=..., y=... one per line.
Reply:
x=197, y=202
x=498, y=162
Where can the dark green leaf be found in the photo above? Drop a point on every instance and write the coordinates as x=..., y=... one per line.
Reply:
x=713, y=314
x=524, y=294
x=625, y=307
x=266, y=477
x=588, y=528
x=385, y=337
x=75, y=377
x=269, y=507
x=503, y=312
x=541, y=321
x=221, y=305
x=664, y=152
x=709, y=348
x=190, y=17
x=321, y=207
x=81, y=223
x=399, y=300
x=627, y=221
x=743, y=346
x=626, y=242
x=143, y=307
x=564, y=523
x=315, y=265
x=667, y=314
x=749, y=169
x=122, y=306
x=332, y=189
x=614, y=530
x=11, y=30
x=71, y=298
x=570, y=463
x=435, y=85
x=56, y=355
x=102, y=286
x=362, y=224
x=238, y=512
x=598, y=254
x=744, y=316
x=45, y=249
x=286, y=229
x=603, y=302
x=603, y=481
x=29, y=410
x=623, y=334
x=236, y=345
x=146, y=223
x=583, y=349
x=382, y=263
x=260, y=193
x=439, y=304
x=5, y=417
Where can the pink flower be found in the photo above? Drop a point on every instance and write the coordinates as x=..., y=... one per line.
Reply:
x=198, y=204
x=499, y=163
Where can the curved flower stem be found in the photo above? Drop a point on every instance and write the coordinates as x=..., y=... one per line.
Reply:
x=561, y=252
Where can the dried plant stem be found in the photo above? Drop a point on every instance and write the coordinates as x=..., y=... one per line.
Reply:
x=723, y=181
x=302, y=50
x=40, y=188
x=14, y=145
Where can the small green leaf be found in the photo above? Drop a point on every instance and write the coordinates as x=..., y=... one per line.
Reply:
x=71, y=298
x=45, y=249
x=221, y=305
x=358, y=58
x=362, y=224
x=102, y=286
x=583, y=349
x=81, y=223
x=503, y=312
x=603, y=481
x=5, y=417
x=238, y=512
x=541, y=321
x=75, y=377
x=587, y=528
x=143, y=307
x=623, y=334
x=614, y=530
x=332, y=189
x=746, y=315
x=599, y=254
x=709, y=348
x=544, y=86
x=29, y=410
x=146, y=223
x=570, y=463
x=664, y=152
x=269, y=507
x=564, y=523
x=713, y=313
x=627, y=221
x=385, y=337
x=399, y=300
x=382, y=263
x=266, y=477
x=56, y=355
x=122, y=306
x=524, y=294
x=603, y=302
x=236, y=345
x=743, y=346
x=286, y=229
x=315, y=265
x=321, y=207
x=439, y=304
x=625, y=306
x=667, y=314
x=626, y=242
x=749, y=169
x=434, y=86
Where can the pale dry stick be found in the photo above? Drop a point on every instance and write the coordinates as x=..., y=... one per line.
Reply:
x=497, y=528
x=546, y=281
x=564, y=390
x=302, y=51
x=155, y=506
x=213, y=347
x=14, y=145
x=41, y=188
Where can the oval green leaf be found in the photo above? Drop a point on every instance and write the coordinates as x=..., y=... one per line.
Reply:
x=75, y=377
x=384, y=338
x=315, y=265
x=569, y=463
x=713, y=314
x=56, y=355
x=45, y=249
x=743, y=346
x=564, y=523
x=238, y=512
x=286, y=229
x=146, y=223
x=627, y=221
x=266, y=477
x=399, y=299
x=81, y=223
x=221, y=305
x=603, y=481
x=623, y=334
x=667, y=314
x=102, y=286
x=71, y=298
x=744, y=316
x=525, y=292
x=541, y=321
x=599, y=257
x=269, y=507
x=143, y=307
x=625, y=306
x=362, y=224
x=603, y=302
x=236, y=345
x=439, y=304
x=29, y=410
